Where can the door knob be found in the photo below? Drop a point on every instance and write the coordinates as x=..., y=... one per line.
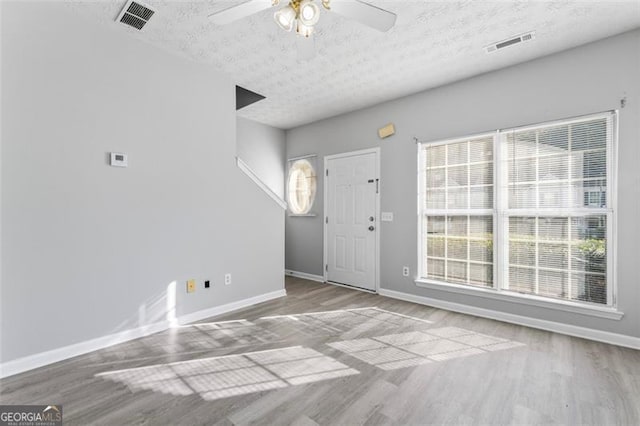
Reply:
x=371, y=228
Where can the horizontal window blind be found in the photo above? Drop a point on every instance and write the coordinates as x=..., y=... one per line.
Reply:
x=558, y=189
x=547, y=195
x=457, y=211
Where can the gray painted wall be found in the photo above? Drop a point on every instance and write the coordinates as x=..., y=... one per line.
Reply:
x=583, y=80
x=262, y=148
x=88, y=249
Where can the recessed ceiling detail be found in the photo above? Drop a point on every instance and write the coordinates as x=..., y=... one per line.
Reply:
x=432, y=43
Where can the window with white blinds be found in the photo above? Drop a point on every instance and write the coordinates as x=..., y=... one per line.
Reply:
x=457, y=211
x=545, y=190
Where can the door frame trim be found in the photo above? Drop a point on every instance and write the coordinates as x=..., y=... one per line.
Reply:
x=325, y=256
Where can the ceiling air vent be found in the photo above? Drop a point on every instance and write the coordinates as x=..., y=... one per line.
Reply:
x=135, y=14
x=511, y=41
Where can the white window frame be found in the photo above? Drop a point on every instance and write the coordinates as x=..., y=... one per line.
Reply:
x=500, y=234
x=313, y=160
x=446, y=212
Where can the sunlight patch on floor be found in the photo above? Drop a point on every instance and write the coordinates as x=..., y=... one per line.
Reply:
x=222, y=377
x=350, y=320
x=403, y=350
x=243, y=333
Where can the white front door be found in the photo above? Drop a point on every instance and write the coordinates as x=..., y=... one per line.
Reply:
x=351, y=222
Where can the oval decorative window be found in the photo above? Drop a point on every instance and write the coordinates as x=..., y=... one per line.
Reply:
x=302, y=186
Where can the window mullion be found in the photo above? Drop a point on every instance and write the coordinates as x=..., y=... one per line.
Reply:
x=536, y=289
x=468, y=260
x=572, y=200
x=610, y=277
x=446, y=247
x=500, y=221
x=537, y=183
x=569, y=256
x=536, y=253
x=611, y=205
x=497, y=190
x=446, y=177
x=446, y=216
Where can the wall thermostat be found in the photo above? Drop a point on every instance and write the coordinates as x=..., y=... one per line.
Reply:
x=118, y=159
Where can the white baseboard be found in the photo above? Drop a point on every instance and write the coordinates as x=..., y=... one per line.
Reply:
x=41, y=359
x=304, y=275
x=571, y=330
x=49, y=357
x=229, y=307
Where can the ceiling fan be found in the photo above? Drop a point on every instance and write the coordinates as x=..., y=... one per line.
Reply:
x=303, y=15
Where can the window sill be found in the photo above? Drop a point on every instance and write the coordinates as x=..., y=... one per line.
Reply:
x=524, y=299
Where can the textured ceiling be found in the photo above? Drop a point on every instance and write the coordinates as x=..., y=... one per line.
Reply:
x=432, y=43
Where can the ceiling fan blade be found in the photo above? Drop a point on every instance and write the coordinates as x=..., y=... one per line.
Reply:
x=306, y=47
x=365, y=13
x=233, y=13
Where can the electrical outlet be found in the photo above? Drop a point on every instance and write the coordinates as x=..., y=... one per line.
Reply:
x=405, y=271
x=207, y=284
x=227, y=279
x=191, y=286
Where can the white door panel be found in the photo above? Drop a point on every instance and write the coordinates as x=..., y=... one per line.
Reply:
x=352, y=223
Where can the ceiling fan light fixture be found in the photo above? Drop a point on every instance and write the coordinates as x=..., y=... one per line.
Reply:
x=285, y=17
x=309, y=13
x=304, y=30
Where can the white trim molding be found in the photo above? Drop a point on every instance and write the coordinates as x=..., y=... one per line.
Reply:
x=229, y=307
x=325, y=230
x=41, y=359
x=525, y=299
x=254, y=177
x=59, y=354
x=304, y=275
x=556, y=327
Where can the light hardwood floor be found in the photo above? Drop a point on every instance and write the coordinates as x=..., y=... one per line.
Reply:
x=330, y=355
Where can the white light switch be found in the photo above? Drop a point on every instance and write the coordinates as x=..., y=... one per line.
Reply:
x=387, y=216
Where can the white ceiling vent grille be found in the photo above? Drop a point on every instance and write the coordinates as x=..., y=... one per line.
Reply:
x=511, y=41
x=135, y=14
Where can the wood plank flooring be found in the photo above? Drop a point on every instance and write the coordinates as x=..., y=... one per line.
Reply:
x=327, y=355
